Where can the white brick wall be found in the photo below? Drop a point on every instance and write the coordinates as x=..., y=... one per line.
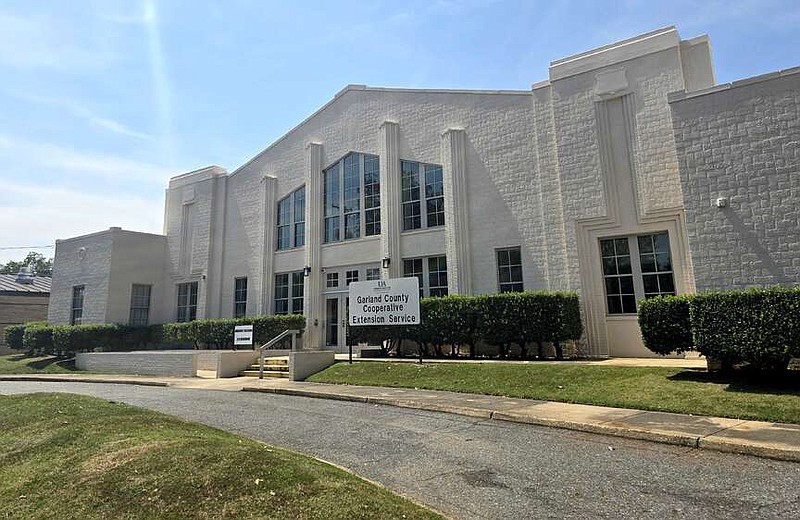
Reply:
x=742, y=141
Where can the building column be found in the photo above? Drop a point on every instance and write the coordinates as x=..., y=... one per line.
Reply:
x=312, y=297
x=391, y=211
x=456, y=214
x=269, y=184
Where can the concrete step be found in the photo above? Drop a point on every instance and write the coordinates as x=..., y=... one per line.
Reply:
x=267, y=373
x=268, y=366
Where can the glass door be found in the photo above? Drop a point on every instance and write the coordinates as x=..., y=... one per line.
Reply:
x=332, y=321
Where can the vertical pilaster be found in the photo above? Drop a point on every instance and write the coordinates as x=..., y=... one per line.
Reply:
x=391, y=216
x=269, y=184
x=216, y=247
x=312, y=296
x=456, y=214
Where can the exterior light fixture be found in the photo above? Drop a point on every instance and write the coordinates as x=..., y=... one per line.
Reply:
x=307, y=271
x=385, y=262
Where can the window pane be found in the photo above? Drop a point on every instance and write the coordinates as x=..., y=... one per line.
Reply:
x=650, y=282
x=607, y=247
x=661, y=242
x=624, y=264
x=612, y=286
x=626, y=284
x=621, y=246
x=614, y=305
x=332, y=229
x=609, y=265
x=629, y=304
x=648, y=263
x=666, y=283
x=663, y=262
x=645, y=244
x=352, y=226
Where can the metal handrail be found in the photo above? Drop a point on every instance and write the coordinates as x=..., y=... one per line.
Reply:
x=272, y=342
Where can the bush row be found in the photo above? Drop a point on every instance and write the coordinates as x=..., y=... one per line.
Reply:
x=521, y=319
x=758, y=327
x=40, y=338
x=218, y=333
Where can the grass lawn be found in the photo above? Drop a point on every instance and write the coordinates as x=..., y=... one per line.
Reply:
x=22, y=364
x=663, y=389
x=68, y=456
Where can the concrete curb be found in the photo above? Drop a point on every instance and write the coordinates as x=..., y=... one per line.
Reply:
x=57, y=379
x=710, y=441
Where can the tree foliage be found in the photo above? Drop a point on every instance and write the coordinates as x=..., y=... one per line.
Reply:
x=40, y=265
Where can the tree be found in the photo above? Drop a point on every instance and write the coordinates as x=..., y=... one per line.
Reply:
x=36, y=261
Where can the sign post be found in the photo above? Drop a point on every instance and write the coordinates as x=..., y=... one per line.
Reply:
x=384, y=302
x=242, y=335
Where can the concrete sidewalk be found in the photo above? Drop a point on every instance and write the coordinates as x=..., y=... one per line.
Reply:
x=763, y=439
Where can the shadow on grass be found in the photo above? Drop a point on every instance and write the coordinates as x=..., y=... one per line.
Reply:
x=42, y=364
x=782, y=383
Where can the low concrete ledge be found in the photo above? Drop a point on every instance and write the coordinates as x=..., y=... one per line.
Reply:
x=72, y=378
x=305, y=363
x=181, y=363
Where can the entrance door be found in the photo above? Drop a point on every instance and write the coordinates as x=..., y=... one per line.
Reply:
x=336, y=321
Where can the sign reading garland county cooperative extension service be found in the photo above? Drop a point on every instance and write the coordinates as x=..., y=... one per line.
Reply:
x=385, y=302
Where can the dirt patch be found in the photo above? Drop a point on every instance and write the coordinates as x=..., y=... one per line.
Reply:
x=118, y=456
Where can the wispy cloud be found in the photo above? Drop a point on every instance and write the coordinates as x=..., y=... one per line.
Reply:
x=69, y=160
x=161, y=85
x=79, y=110
x=49, y=213
x=39, y=42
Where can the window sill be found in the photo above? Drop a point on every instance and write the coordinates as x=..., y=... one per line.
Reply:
x=351, y=241
x=422, y=231
x=289, y=250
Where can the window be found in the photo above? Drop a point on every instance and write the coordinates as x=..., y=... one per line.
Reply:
x=76, y=315
x=509, y=270
x=434, y=195
x=187, y=301
x=373, y=273
x=634, y=268
x=140, y=305
x=437, y=276
x=291, y=218
x=411, y=197
x=351, y=198
x=239, y=297
x=289, y=293
x=351, y=276
x=431, y=272
x=332, y=280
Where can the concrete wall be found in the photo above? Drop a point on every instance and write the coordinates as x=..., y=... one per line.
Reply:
x=741, y=142
x=152, y=363
x=84, y=260
x=21, y=308
x=304, y=364
x=224, y=363
x=137, y=258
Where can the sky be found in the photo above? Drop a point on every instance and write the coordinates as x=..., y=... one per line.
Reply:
x=102, y=101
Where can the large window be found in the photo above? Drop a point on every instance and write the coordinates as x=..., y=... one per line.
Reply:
x=289, y=293
x=140, y=305
x=76, y=314
x=187, y=301
x=291, y=227
x=431, y=272
x=412, y=176
x=351, y=198
x=635, y=267
x=509, y=270
x=239, y=297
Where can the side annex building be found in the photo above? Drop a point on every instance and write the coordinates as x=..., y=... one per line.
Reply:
x=628, y=173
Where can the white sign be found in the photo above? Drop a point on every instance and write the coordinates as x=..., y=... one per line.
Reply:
x=243, y=335
x=385, y=302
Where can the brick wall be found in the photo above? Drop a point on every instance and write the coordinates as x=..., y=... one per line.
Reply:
x=18, y=309
x=742, y=142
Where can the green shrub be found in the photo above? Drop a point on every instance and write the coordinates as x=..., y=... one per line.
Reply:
x=38, y=338
x=218, y=333
x=69, y=339
x=13, y=336
x=665, y=326
x=759, y=327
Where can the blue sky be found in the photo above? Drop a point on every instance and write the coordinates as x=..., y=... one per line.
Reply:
x=102, y=101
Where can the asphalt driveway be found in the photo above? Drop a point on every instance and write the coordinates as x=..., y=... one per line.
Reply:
x=472, y=468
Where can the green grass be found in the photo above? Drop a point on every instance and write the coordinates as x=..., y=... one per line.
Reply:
x=22, y=364
x=66, y=456
x=663, y=389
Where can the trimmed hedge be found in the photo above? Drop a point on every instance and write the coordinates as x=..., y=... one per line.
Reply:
x=218, y=333
x=13, y=336
x=759, y=328
x=523, y=319
x=664, y=321
x=38, y=338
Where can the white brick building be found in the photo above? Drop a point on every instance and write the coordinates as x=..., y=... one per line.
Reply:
x=579, y=184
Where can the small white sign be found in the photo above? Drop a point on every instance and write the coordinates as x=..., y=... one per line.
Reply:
x=243, y=335
x=385, y=302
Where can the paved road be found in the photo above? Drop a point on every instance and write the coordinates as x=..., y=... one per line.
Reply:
x=470, y=468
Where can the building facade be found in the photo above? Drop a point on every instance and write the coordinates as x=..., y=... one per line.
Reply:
x=23, y=298
x=593, y=181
